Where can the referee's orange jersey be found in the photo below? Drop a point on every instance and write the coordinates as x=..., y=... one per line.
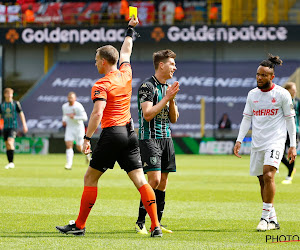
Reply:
x=115, y=88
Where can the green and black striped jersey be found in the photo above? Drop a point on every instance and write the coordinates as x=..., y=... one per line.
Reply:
x=9, y=112
x=151, y=90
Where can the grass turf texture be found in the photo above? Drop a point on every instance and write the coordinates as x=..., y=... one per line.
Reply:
x=212, y=202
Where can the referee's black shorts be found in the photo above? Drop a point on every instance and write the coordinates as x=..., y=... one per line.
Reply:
x=118, y=143
x=158, y=155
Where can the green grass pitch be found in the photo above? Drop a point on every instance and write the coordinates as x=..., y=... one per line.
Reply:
x=211, y=202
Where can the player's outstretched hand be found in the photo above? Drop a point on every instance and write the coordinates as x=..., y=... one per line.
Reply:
x=172, y=90
x=236, y=149
x=133, y=21
x=292, y=154
x=86, y=147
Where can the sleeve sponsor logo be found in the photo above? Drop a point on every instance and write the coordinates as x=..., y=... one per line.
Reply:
x=97, y=92
x=292, y=107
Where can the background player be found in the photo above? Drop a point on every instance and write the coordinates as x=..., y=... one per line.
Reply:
x=74, y=117
x=270, y=109
x=8, y=111
x=118, y=142
x=157, y=108
x=291, y=87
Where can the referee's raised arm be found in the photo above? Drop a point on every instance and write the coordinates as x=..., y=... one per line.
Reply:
x=126, y=49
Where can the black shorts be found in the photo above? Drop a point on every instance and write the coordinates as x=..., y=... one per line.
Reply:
x=118, y=143
x=158, y=155
x=9, y=132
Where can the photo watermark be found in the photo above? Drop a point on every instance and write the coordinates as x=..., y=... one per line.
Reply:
x=282, y=238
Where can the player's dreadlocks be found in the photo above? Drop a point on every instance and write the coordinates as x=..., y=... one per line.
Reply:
x=271, y=62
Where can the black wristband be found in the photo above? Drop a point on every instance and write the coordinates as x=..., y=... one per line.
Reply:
x=87, y=138
x=129, y=31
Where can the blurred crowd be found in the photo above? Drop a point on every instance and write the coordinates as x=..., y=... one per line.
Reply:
x=76, y=12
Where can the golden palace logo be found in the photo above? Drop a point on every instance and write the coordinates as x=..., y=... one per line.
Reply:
x=157, y=34
x=12, y=35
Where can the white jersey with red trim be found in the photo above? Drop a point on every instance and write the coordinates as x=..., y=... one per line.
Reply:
x=268, y=110
x=79, y=118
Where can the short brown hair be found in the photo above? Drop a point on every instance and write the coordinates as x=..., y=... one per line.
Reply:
x=109, y=53
x=288, y=85
x=162, y=56
x=8, y=90
x=72, y=93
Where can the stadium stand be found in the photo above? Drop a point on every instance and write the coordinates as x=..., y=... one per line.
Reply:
x=230, y=12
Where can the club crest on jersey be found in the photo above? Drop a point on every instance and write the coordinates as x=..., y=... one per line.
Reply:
x=273, y=100
x=153, y=160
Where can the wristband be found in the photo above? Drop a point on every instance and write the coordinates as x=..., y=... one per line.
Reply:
x=129, y=31
x=87, y=138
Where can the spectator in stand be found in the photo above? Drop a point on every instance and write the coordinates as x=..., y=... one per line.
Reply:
x=29, y=15
x=124, y=10
x=179, y=13
x=213, y=14
x=166, y=12
x=224, y=123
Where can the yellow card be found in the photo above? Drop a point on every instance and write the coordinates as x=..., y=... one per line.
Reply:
x=132, y=11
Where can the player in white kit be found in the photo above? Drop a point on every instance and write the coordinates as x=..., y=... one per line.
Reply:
x=74, y=117
x=270, y=109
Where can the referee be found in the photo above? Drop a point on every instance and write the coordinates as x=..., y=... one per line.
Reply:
x=118, y=142
x=9, y=111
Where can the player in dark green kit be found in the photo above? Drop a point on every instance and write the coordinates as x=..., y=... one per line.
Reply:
x=9, y=111
x=157, y=108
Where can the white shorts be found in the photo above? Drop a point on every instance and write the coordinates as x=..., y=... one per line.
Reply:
x=270, y=157
x=75, y=134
